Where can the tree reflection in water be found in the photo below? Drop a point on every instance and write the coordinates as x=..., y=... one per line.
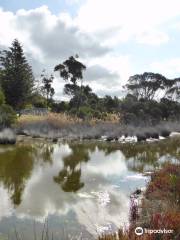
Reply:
x=16, y=165
x=17, y=162
x=70, y=176
x=15, y=168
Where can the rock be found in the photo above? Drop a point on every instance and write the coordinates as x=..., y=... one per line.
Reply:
x=121, y=139
x=174, y=134
x=147, y=134
x=116, y=139
x=104, y=138
x=165, y=133
x=151, y=140
x=55, y=140
x=97, y=137
x=131, y=139
x=7, y=136
x=161, y=138
x=141, y=138
x=154, y=135
x=109, y=139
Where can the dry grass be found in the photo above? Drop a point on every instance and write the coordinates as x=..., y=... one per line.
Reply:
x=63, y=119
x=108, y=118
x=55, y=119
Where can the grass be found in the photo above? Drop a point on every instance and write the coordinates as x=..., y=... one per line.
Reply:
x=62, y=125
x=60, y=119
x=55, y=119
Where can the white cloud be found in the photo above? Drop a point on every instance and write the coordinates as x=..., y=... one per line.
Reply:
x=49, y=39
x=96, y=34
x=6, y=208
x=130, y=18
x=152, y=38
x=169, y=67
x=117, y=64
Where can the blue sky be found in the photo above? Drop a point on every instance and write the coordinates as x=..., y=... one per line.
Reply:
x=55, y=6
x=114, y=38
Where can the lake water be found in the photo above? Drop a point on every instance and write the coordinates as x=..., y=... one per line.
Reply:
x=73, y=190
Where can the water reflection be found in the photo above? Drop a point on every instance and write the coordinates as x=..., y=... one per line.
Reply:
x=69, y=177
x=15, y=168
x=84, y=184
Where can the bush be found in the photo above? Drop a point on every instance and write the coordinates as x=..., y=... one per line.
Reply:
x=84, y=112
x=7, y=116
x=2, y=97
x=38, y=101
x=28, y=106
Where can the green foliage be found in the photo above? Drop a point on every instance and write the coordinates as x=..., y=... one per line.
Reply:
x=7, y=116
x=16, y=76
x=60, y=107
x=148, y=85
x=148, y=112
x=2, y=97
x=71, y=70
x=85, y=112
x=37, y=100
x=28, y=106
x=47, y=89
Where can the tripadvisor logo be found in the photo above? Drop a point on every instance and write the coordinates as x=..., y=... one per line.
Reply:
x=140, y=231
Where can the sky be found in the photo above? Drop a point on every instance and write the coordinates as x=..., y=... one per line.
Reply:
x=115, y=39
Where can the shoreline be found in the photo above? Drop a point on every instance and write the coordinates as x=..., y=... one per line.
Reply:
x=155, y=210
x=13, y=136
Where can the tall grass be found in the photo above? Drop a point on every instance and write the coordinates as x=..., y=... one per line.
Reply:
x=57, y=120
x=62, y=119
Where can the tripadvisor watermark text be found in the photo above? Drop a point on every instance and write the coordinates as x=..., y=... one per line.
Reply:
x=140, y=231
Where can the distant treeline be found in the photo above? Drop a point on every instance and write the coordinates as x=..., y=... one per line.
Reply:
x=150, y=98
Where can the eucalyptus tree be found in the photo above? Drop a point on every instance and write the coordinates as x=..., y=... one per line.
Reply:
x=71, y=70
x=47, y=89
x=146, y=85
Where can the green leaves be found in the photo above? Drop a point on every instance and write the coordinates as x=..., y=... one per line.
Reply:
x=71, y=70
x=16, y=76
x=148, y=85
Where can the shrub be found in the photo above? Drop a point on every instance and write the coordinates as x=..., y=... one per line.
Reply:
x=84, y=112
x=7, y=116
x=2, y=97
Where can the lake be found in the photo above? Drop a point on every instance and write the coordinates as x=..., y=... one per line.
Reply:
x=73, y=190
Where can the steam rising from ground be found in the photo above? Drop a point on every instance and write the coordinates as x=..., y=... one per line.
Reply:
x=7, y=136
x=89, y=131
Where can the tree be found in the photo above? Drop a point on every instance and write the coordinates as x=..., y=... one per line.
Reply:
x=2, y=97
x=47, y=89
x=111, y=104
x=71, y=70
x=146, y=85
x=173, y=89
x=16, y=78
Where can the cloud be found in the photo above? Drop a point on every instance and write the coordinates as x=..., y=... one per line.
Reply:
x=105, y=34
x=129, y=18
x=56, y=38
x=49, y=39
x=100, y=73
x=169, y=67
x=49, y=199
x=152, y=38
x=46, y=36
